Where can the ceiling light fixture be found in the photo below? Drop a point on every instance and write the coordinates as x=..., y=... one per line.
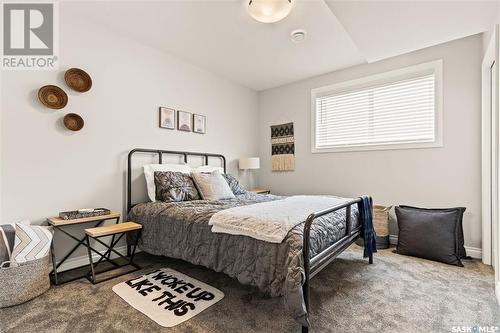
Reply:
x=269, y=11
x=298, y=35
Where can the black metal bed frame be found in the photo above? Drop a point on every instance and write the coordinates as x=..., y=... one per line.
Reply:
x=312, y=266
x=160, y=153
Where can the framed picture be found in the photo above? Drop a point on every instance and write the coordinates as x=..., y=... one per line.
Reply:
x=167, y=118
x=184, y=121
x=199, y=123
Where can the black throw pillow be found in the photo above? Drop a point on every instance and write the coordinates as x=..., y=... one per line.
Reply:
x=460, y=230
x=429, y=234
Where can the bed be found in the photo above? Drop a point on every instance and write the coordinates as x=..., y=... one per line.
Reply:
x=181, y=230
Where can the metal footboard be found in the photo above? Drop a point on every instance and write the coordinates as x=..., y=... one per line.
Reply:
x=314, y=265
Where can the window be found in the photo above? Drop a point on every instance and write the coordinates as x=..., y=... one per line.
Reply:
x=394, y=110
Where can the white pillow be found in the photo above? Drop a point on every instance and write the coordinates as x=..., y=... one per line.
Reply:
x=149, y=174
x=208, y=169
x=212, y=186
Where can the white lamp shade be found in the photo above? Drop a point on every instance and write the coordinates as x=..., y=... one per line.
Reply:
x=269, y=11
x=249, y=163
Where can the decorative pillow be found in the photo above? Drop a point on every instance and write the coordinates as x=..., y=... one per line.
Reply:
x=209, y=169
x=175, y=186
x=150, y=169
x=234, y=184
x=460, y=230
x=212, y=186
x=32, y=242
x=428, y=234
x=7, y=240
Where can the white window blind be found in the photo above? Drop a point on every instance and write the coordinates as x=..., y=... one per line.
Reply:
x=397, y=112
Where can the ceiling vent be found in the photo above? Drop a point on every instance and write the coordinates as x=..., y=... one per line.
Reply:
x=298, y=35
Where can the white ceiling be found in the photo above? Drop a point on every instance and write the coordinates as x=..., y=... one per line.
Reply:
x=220, y=37
x=383, y=29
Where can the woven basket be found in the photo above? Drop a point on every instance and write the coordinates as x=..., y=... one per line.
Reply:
x=381, y=220
x=24, y=282
x=381, y=225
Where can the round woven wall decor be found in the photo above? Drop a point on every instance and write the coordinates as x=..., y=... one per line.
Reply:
x=52, y=97
x=73, y=122
x=77, y=79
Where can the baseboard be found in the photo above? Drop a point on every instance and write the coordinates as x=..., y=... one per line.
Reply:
x=497, y=291
x=84, y=260
x=474, y=252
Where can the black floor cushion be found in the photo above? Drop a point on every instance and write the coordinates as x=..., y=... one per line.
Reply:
x=429, y=234
x=460, y=230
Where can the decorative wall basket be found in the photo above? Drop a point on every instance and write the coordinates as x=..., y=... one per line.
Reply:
x=52, y=97
x=73, y=122
x=77, y=79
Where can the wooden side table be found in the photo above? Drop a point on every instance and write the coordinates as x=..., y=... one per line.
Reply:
x=260, y=191
x=59, y=224
x=112, y=230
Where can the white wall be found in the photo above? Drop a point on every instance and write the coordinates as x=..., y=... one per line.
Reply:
x=47, y=169
x=436, y=177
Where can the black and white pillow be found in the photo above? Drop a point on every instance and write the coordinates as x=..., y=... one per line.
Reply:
x=175, y=186
x=234, y=184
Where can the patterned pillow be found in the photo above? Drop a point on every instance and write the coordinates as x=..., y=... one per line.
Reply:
x=234, y=184
x=175, y=186
x=32, y=242
x=7, y=236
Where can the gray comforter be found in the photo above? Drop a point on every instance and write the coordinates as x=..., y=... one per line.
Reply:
x=180, y=230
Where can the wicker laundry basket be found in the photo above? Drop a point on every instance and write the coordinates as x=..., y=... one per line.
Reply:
x=381, y=226
x=24, y=281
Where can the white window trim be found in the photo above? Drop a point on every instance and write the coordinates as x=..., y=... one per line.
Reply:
x=435, y=67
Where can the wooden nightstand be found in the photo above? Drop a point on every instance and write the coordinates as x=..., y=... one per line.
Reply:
x=60, y=224
x=260, y=191
x=113, y=230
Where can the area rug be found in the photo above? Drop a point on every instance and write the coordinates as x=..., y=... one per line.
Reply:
x=167, y=296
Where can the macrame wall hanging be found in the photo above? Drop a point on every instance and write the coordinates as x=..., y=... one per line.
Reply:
x=283, y=147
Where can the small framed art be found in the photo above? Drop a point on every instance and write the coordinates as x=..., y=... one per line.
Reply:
x=184, y=121
x=167, y=118
x=199, y=123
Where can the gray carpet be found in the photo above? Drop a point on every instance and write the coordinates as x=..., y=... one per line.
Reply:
x=396, y=294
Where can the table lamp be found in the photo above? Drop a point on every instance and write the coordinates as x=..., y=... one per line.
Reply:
x=249, y=163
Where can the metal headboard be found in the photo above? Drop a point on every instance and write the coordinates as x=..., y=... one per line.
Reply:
x=160, y=154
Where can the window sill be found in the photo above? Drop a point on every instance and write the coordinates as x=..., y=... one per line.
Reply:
x=404, y=146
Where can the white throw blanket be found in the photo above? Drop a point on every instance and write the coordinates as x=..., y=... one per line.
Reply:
x=272, y=220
